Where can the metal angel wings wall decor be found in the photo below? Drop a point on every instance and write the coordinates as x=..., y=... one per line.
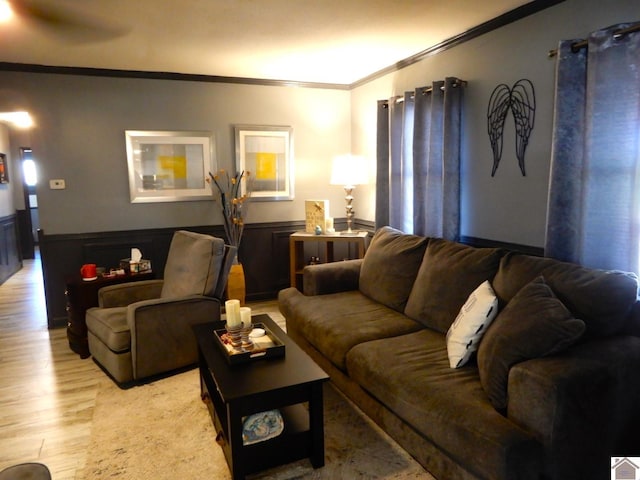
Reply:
x=521, y=101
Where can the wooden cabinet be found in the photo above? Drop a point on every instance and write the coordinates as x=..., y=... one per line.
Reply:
x=83, y=295
x=327, y=244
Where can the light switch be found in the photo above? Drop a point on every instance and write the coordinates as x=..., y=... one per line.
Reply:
x=57, y=184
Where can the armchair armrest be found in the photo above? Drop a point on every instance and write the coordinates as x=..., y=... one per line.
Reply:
x=331, y=277
x=124, y=294
x=161, y=337
x=582, y=405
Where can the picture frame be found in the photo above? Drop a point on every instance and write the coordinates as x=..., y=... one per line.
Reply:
x=267, y=153
x=169, y=166
x=4, y=169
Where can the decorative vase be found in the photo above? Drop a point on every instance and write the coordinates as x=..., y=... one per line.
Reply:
x=235, y=283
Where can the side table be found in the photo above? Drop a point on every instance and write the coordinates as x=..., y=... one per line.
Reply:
x=296, y=250
x=83, y=295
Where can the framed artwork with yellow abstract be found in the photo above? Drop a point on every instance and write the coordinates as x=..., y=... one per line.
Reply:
x=169, y=166
x=267, y=153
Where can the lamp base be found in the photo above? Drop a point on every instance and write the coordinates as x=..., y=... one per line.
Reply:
x=347, y=233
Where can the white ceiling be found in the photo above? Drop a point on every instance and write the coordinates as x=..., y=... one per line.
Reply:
x=326, y=41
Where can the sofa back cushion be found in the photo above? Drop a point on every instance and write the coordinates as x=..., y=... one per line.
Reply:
x=603, y=299
x=193, y=265
x=390, y=266
x=533, y=324
x=448, y=274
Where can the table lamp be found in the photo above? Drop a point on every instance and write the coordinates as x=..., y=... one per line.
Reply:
x=349, y=171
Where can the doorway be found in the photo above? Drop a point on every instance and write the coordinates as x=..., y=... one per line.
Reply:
x=30, y=222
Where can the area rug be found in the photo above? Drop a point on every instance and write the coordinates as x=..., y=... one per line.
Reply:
x=162, y=430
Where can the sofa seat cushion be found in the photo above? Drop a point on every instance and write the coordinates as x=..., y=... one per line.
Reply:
x=448, y=274
x=411, y=376
x=110, y=326
x=602, y=299
x=334, y=323
x=390, y=267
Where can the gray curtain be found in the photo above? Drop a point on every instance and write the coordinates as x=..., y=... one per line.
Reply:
x=418, y=164
x=594, y=194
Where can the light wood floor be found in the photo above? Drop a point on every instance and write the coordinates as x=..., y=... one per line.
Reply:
x=47, y=393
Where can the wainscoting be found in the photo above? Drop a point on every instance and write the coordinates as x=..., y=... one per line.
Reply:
x=10, y=257
x=264, y=253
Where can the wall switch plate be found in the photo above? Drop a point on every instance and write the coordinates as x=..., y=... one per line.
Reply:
x=57, y=184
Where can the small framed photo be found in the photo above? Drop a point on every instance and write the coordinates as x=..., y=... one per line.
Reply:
x=316, y=213
x=267, y=153
x=4, y=169
x=169, y=166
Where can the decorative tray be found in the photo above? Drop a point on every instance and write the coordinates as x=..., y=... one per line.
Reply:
x=266, y=346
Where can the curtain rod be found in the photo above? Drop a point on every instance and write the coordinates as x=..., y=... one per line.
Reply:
x=575, y=47
x=427, y=90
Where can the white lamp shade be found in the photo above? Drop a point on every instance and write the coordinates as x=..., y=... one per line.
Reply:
x=349, y=170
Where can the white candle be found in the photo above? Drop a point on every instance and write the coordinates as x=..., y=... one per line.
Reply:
x=245, y=316
x=232, y=309
x=328, y=225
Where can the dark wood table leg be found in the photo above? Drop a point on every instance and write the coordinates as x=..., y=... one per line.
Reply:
x=316, y=423
x=234, y=420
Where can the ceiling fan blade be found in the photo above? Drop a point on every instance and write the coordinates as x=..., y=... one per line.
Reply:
x=68, y=24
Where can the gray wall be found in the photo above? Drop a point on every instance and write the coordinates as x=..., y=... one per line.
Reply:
x=81, y=121
x=507, y=207
x=79, y=137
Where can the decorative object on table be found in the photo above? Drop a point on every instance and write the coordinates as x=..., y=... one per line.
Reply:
x=521, y=100
x=233, y=193
x=349, y=171
x=268, y=152
x=315, y=213
x=4, y=174
x=262, y=426
x=234, y=323
x=135, y=263
x=89, y=272
x=247, y=327
x=328, y=226
x=265, y=345
x=169, y=166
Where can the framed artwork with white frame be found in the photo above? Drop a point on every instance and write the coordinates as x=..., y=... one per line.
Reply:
x=266, y=152
x=169, y=166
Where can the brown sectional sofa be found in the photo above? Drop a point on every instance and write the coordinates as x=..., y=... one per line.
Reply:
x=552, y=392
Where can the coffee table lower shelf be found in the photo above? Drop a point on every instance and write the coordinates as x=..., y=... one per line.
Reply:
x=294, y=443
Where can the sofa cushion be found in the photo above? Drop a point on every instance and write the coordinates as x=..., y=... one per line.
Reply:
x=110, y=326
x=603, y=299
x=472, y=322
x=334, y=323
x=410, y=375
x=390, y=266
x=448, y=274
x=533, y=324
x=193, y=264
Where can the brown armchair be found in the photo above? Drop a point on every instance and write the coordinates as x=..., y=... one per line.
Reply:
x=143, y=328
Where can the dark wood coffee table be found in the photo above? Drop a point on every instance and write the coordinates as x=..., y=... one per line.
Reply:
x=232, y=392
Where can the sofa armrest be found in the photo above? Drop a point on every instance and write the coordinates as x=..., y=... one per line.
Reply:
x=123, y=294
x=582, y=405
x=161, y=334
x=331, y=277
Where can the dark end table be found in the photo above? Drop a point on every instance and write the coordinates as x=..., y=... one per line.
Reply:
x=232, y=392
x=83, y=295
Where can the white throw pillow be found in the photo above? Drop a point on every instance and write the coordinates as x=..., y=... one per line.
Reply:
x=474, y=318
